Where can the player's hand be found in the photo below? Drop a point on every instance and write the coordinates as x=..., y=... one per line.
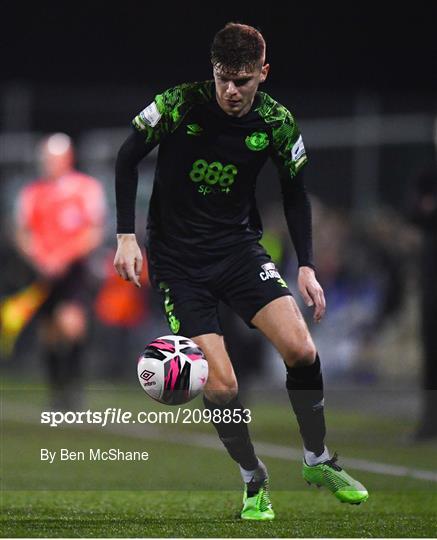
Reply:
x=128, y=261
x=311, y=291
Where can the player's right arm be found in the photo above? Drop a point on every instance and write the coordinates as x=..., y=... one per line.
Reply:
x=149, y=128
x=128, y=260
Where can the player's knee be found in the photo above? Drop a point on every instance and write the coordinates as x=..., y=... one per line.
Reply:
x=303, y=354
x=221, y=392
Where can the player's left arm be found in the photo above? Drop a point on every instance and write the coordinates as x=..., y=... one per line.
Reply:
x=297, y=209
x=289, y=154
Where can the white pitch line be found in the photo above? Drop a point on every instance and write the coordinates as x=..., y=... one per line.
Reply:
x=203, y=440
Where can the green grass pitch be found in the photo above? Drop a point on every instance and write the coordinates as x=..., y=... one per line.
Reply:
x=213, y=514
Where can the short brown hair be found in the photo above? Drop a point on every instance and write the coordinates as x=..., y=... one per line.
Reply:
x=238, y=46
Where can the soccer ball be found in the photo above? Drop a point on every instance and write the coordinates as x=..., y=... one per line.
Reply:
x=172, y=370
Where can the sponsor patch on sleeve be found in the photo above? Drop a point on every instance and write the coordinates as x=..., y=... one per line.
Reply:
x=300, y=162
x=298, y=151
x=150, y=115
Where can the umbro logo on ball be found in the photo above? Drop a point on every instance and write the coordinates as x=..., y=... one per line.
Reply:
x=147, y=375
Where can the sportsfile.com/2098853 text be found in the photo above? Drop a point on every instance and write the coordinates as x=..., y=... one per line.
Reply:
x=113, y=415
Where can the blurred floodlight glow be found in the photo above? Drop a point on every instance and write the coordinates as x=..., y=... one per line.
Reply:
x=58, y=144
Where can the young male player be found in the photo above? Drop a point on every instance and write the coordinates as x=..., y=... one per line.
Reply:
x=203, y=233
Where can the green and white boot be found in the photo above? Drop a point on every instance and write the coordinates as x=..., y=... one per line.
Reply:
x=329, y=474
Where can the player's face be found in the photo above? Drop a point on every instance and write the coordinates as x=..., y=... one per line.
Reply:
x=236, y=91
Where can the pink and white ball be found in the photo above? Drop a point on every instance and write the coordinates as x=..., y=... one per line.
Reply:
x=172, y=370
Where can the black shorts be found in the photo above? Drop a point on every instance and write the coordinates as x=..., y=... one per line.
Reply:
x=72, y=286
x=246, y=281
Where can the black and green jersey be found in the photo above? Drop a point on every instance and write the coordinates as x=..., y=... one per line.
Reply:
x=203, y=200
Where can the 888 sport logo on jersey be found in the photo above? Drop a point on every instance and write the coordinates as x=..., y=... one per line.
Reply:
x=213, y=177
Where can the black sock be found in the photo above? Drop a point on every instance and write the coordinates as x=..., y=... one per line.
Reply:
x=234, y=435
x=64, y=370
x=305, y=390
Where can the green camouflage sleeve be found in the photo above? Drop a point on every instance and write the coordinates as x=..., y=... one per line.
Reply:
x=289, y=150
x=168, y=109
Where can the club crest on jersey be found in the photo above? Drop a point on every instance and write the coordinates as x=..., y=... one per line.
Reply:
x=257, y=141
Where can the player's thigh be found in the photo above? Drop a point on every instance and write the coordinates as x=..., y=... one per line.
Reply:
x=191, y=311
x=249, y=282
x=222, y=385
x=190, y=308
x=284, y=326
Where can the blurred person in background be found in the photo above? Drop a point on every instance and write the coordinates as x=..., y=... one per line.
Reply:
x=59, y=222
x=423, y=211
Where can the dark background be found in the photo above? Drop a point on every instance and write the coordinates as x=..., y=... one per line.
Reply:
x=382, y=46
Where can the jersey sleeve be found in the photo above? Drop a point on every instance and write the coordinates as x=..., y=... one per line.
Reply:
x=166, y=111
x=289, y=152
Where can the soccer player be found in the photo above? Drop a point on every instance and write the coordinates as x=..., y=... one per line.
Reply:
x=203, y=243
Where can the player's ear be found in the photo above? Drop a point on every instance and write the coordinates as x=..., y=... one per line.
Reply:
x=264, y=72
